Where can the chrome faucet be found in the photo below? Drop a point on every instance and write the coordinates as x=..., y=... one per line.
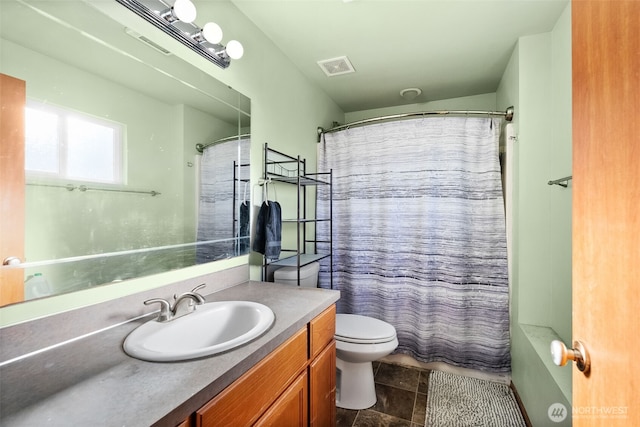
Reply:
x=194, y=298
x=169, y=312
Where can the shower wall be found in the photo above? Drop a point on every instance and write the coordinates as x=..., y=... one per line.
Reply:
x=537, y=82
x=485, y=101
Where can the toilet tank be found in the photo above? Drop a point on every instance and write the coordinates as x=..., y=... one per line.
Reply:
x=289, y=275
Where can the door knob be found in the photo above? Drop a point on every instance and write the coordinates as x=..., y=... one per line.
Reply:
x=11, y=260
x=561, y=354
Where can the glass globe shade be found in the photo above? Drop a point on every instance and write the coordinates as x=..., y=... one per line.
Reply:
x=212, y=32
x=234, y=49
x=185, y=11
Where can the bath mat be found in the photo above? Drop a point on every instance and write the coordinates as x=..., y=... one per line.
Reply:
x=458, y=401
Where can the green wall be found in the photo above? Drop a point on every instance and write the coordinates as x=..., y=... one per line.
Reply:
x=286, y=110
x=486, y=101
x=537, y=82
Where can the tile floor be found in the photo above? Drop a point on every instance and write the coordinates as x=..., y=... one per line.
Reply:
x=402, y=399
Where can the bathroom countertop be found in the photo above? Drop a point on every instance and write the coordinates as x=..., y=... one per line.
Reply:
x=92, y=381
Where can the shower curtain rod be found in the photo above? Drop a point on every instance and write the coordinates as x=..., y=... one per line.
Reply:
x=508, y=116
x=201, y=147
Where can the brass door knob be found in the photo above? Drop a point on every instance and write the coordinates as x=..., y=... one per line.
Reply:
x=11, y=260
x=561, y=355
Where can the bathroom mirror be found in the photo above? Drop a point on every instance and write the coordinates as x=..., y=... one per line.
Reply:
x=113, y=175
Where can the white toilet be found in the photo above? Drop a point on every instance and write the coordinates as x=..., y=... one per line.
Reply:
x=359, y=341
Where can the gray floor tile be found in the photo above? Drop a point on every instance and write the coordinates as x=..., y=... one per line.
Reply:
x=369, y=418
x=394, y=401
x=402, y=399
x=398, y=376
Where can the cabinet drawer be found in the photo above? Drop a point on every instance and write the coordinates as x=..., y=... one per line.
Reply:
x=321, y=330
x=243, y=401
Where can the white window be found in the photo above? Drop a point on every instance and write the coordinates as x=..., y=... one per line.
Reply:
x=67, y=145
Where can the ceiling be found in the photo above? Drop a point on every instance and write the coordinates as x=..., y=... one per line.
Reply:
x=447, y=48
x=108, y=51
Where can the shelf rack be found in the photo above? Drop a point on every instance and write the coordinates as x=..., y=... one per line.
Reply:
x=240, y=182
x=283, y=168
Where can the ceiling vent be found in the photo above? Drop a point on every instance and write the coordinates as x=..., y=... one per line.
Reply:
x=146, y=41
x=336, y=66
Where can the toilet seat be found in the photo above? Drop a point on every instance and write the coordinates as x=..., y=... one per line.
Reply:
x=353, y=328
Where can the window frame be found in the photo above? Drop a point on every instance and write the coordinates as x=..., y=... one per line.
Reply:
x=118, y=165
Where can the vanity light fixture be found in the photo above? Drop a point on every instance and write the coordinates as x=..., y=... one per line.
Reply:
x=176, y=18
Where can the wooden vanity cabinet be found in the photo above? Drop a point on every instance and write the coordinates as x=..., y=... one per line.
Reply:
x=293, y=386
x=290, y=409
x=322, y=369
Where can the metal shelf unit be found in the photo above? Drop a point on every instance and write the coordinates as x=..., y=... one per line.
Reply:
x=240, y=182
x=283, y=168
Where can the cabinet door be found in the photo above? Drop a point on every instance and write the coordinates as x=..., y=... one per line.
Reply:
x=322, y=387
x=290, y=410
x=244, y=401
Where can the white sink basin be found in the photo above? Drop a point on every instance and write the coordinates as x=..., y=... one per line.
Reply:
x=212, y=328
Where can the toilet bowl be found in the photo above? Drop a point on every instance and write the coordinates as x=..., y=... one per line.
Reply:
x=359, y=341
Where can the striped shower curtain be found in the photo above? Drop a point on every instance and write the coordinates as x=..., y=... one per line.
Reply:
x=419, y=235
x=217, y=220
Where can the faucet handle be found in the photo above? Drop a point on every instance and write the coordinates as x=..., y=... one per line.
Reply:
x=200, y=286
x=197, y=297
x=165, y=308
x=194, y=300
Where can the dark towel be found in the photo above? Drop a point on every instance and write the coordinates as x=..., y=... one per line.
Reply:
x=268, y=238
x=244, y=228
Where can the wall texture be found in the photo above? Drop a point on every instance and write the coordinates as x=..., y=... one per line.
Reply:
x=538, y=82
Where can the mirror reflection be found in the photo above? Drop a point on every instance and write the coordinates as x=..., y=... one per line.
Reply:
x=115, y=187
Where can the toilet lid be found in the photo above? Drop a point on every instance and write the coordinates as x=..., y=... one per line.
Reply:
x=362, y=329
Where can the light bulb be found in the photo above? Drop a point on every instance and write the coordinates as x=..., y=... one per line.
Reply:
x=234, y=49
x=185, y=11
x=212, y=32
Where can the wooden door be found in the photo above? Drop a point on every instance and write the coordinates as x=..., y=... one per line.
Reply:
x=12, y=104
x=606, y=210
